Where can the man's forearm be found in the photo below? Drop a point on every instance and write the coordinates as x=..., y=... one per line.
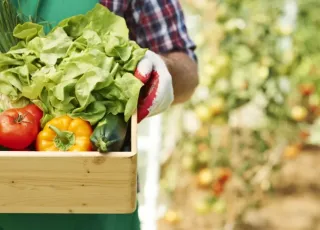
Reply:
x=184, y=72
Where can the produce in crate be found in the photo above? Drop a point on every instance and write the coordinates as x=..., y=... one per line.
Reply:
x=65, y=134
x=83, y=69
x=8, y=21
x=110, y=133
x=36, y=112
x=18, y=128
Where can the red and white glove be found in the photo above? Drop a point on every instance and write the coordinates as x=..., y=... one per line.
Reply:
x=157, y=93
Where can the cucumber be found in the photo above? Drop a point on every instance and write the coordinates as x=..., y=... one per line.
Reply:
x=109, y=134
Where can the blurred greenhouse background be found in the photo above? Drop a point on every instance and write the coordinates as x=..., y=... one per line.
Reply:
x=243, y=154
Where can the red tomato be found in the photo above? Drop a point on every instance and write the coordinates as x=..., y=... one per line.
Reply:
x=225, y=175
x=18, y=129
x=217, y=188
x=35, y=111
x=307, y=89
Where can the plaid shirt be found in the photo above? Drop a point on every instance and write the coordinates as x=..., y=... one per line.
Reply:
x=158, y=25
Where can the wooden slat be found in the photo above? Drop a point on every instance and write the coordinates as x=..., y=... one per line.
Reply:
x=67, y=182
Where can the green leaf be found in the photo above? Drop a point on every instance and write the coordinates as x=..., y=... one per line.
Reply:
x=87, y=83
x=8, y=90
x=102, y=21
x=132, y=63
x=55, y=46
x=28, y=31
x=6, y=60
x=10, y=77
x=64, y=90
x=35, y=46
x=113, y=92
x=131, y=87
x=115, y=107
x=73, y=26
x=93, y=113
x=92, y=39
x=34, y=90
x=117, y=47
x=8, y=103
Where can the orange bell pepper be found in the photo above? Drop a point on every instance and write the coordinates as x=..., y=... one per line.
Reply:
x=65, y=134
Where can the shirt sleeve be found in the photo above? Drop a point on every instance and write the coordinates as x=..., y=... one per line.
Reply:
x=116, y=6
x=160, y=26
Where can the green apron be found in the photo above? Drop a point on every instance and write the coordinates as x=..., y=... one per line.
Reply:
x=54, y=11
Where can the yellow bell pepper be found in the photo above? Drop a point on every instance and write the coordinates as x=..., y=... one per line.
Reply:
x=65, y=134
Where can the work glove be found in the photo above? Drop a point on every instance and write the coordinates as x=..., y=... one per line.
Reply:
x=157, y=93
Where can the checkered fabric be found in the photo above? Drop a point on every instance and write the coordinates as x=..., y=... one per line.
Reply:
x=158, y=25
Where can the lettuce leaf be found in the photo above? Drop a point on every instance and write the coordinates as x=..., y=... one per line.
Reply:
x=83, y=67
x=130, y=86
x=28, y=31
x=7, y=103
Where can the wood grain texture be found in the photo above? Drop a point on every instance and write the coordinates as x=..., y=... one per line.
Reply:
x=67, y=182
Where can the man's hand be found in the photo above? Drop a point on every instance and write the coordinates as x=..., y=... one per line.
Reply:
x=168, y=79
x=157, y=93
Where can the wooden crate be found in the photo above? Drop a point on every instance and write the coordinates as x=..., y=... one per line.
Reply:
x=69, y=182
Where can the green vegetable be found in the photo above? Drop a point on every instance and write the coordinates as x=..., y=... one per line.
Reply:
x=83, y=68
x=8, y=21
x=110, y=133
x=6, y=103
